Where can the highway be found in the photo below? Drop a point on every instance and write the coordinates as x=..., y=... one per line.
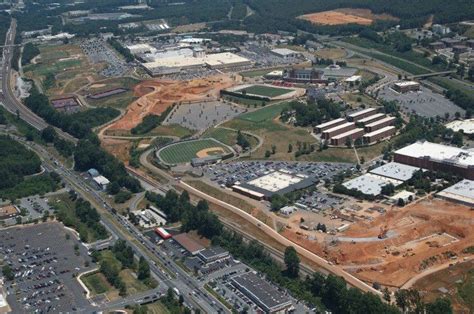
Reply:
x=8, y=99
x=193, y=293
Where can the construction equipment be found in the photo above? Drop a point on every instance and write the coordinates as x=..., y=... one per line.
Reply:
x=383, y=232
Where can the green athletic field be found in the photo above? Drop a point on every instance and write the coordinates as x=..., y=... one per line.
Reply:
x=185, y=151
x=265, y=91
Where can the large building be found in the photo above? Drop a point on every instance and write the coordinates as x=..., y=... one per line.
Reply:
x=187, y=243
x=343, y=128
x=361, y=114
x=408, y=86
x=380, y=134
x=286, y=53
x=328, y=125
x=351, y=135
x=260, y=291
x=377, y=125
x=178, y=63
x=307, y=75
x=462, y=192
x=396, y=171
x=371, y=118
x=370, y=184
x=466, y=126
x=437, y=157
x=277, y=182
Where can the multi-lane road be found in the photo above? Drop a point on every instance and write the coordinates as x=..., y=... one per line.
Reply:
x=10, y=102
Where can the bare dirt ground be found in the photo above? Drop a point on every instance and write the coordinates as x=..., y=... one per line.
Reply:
x=425, y=234
x=155, y=96
x=346, y=16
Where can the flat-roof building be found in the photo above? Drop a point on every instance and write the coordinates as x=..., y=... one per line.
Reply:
x=407, y=86
x=466, y=126
x=141, y=48
x=369, y=184
x=377, y=125
x=264, y=294
x=342, y=128
x=212, y=254
x=276, y=182
x=462, y=192
x=371, y=118
x=286, y=53
x=306, y=76
x=191, y=246
x=341, y=139
x=328, y=125
x=101, y=181
x=395, y=170
x=356, y=116
x=379, y=134
x=437, y=157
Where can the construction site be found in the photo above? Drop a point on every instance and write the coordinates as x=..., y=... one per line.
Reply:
x=394, y=246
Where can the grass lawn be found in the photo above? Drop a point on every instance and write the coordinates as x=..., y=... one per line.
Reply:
x=185, y=151
x=68, y=64
x=96, y=283
x=265, y=113
x=352, y=99
x=274, y=133
x=157, y=308
x=466, y=290
x=246, y=101
x=221, y=195
x=256, y=73
x=266, y=91
x=227, y=137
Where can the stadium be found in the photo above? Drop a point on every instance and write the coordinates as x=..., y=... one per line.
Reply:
x=263, y=92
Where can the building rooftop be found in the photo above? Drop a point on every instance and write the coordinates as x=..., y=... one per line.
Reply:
x=369, y=184
x=395, y=170
x=262, y=292
x=406, y=83
x=467, y=126
x=188, y=244
x=284, y=51
x=348, y=133
x=353, y=78
x=438, y=152
x=213, y=251
x=101, y=180
x=184, y=60
x=277, y=180
x=377, y=132
x=462, y=191
x=381, y=121
x=361, y=112
x=372, y=117
x=329, y=123
x=339, y=127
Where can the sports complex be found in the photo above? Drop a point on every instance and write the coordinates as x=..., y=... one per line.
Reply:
x=265, y=92
x=185, y=152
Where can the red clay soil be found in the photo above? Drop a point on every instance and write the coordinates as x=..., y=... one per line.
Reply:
x=157, y=95
x=394, y=261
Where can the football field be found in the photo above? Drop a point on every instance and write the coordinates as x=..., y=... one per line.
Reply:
x=265, y=91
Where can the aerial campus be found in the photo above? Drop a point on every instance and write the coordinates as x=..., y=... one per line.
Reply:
x=237, y=156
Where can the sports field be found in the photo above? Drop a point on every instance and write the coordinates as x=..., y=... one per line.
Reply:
x=185, y=151
x=265, y=91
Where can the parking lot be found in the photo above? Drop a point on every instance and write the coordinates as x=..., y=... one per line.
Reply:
x=263, y=56
x=243, y=171
x=98, y=51
x=424, y=102
x=202, y=115
x=45, y=264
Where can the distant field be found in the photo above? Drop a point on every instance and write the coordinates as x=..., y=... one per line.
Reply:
x=227, y=136
x=346, y=16
x=185, y=151
x=265, y=91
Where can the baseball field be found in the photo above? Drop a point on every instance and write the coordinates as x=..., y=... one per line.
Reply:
x=185, y=151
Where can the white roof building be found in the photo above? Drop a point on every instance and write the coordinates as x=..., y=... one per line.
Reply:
x=467, y=126
x=101, y=181
x=462, y=192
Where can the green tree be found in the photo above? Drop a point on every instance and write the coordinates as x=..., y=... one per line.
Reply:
x=292, y=262
x=439, y=306
x=8, y=272
x=49, y=134
x=143, y=269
